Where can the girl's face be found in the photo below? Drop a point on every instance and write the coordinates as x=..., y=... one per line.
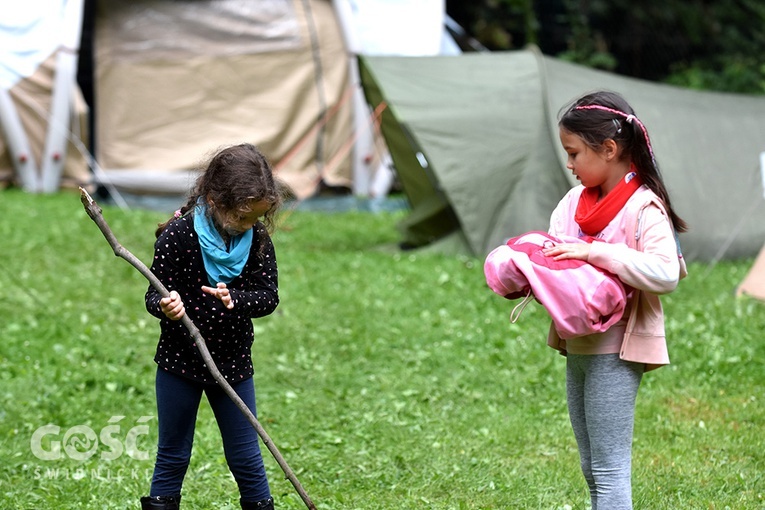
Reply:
x=592, y=168
x=239, y=222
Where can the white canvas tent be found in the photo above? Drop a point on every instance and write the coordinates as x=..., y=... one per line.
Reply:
x=43, y=116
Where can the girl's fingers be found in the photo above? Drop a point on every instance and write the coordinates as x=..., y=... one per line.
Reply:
x=579, y=251
x=177, y=313
x=172, y=306
x=215, y=292
x=221, y=292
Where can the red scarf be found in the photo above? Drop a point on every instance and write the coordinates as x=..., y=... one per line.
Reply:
x=593, y=216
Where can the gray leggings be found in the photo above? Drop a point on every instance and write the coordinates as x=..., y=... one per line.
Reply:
x=601, y=391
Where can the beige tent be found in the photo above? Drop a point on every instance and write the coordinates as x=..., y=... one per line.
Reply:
x=176, y=80
x=754, y=282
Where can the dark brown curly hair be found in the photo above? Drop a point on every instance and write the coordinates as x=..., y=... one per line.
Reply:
x=234, y=176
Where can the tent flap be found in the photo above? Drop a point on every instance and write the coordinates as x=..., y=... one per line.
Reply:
x=754, y=283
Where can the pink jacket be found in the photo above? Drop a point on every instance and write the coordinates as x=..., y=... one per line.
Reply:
x=641, y=249
x=582, y=299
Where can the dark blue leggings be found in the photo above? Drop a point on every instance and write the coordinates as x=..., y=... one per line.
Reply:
x=178, y=401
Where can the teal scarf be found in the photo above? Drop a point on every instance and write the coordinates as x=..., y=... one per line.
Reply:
x=222, y=263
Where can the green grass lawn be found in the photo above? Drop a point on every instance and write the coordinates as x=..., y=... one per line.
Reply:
x=388, y=379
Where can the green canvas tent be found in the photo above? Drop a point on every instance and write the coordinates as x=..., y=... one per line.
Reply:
x=474, y=141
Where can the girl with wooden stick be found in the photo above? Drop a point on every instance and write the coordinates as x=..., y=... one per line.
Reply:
x=216, y=258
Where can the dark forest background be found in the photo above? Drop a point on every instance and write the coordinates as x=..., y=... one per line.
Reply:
x=700, y=44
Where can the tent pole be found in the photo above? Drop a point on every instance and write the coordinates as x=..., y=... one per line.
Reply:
x=18, y=144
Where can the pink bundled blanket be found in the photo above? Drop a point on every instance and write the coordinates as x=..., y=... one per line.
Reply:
x=581, y=299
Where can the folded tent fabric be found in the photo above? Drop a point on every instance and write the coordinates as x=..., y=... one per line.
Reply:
x=581, y=299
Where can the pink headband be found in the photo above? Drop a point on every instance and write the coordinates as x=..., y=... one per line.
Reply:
x=628, y=117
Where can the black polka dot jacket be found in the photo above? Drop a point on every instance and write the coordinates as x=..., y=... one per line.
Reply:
x=228, y=333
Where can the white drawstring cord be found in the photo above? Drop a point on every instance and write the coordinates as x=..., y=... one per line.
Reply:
x=515, y=316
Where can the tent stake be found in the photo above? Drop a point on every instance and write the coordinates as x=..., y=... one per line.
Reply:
x=95, y=213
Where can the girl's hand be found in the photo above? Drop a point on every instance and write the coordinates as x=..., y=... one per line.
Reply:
x=579, y=251
x=222, y=293
x=172, y=306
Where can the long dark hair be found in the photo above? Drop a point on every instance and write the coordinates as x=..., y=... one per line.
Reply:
x=603, y=115
x=236, y=175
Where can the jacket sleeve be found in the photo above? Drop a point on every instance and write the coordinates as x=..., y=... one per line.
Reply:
x=260, y=295
x=163, y=266
x=656, y=267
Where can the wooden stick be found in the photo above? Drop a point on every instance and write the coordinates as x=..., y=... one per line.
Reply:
x=95, y=213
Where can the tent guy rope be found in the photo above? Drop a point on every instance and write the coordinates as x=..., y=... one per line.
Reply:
x=95, y=213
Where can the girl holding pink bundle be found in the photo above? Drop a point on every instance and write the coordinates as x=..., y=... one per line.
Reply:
x=623, y=201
